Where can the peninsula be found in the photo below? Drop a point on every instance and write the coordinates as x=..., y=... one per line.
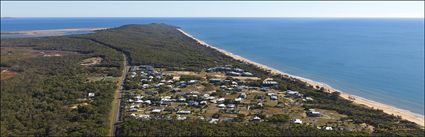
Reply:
x=164, y=82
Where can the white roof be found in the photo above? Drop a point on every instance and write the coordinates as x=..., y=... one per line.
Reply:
x=156, y=110
x=183, y=112
x=221, y=105
x=328, y=128
x=298, y=121
x=91, y=95
x=256, y=118
x=148, y=101
x=231, y=105
x=213, y=121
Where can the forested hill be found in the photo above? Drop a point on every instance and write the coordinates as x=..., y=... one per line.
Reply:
x=160, y=45
x=48, y=95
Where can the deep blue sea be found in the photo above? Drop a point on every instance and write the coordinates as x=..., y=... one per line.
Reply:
x=378, y=59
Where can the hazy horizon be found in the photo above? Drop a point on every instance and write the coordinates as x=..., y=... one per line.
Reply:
x=301, y=9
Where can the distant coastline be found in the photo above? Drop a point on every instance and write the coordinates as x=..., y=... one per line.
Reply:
x=405, y=114
x=48, y=32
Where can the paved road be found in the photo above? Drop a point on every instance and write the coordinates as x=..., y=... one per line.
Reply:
x=116, y=106
x=115, y=115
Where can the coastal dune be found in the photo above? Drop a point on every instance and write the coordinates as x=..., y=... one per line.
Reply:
x=405, y=114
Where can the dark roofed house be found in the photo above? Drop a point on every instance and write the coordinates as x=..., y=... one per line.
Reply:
x=214, y=80
x=313, y=113
x=232, y=73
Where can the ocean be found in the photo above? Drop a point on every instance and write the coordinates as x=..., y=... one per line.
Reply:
x=380, y=59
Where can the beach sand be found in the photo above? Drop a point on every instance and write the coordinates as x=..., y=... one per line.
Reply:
x=50, y=32
x=405, y=114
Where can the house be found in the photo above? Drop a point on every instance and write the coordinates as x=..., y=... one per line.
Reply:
x=238, y=70
x=232, y=111
x=144, y=116
x=309, y=99
x=221, y=105
x=256, y=118
x=249, y=74
x=259, y=97
x=193, y=103
x=220, y=100
x=293, y=93
x=148, y=102
x=270, y=94
x=313, y=113
x=91, y=94
x=274, y=97
x=169, y=81
x=242, y=95
x=214, y=80
x=214, y=121
x=298, y=121
x=138, y=97
x=132, y=110
x=269, y=83
x=183, y=112
x=238, y=99
x=231, y=105
x=156, y=111
x=204, y=102
x=232, y=73
x=145, y=86
x=259, y=104
x=328, y=128
x=190, y=82
x=213, y=101
x=210, y=98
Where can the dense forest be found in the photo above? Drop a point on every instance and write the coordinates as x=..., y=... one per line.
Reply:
x=33, y=101
x=38, y=100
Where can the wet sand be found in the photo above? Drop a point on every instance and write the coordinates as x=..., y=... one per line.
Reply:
x=405, y=114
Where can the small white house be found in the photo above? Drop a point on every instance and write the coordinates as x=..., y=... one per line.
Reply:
x=221, y=106
x=156, y=111
x=328, y=128
x=144, y=116
x=203, y=102
x=148, y=102
x=214, y=121
x=298, y=121
x=238, y=99
x=183, y=112
x=91, y=94
x=220, y=100
x=256, y=118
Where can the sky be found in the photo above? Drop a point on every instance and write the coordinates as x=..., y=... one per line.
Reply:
x=408, y=9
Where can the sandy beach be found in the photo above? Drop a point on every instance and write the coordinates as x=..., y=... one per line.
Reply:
x=50, y=32
x=405, y=114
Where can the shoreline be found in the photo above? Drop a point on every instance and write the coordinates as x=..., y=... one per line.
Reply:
x=47, y=32
x=405, y=114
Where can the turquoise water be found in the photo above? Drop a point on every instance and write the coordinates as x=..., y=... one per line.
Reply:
x=378, y=59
